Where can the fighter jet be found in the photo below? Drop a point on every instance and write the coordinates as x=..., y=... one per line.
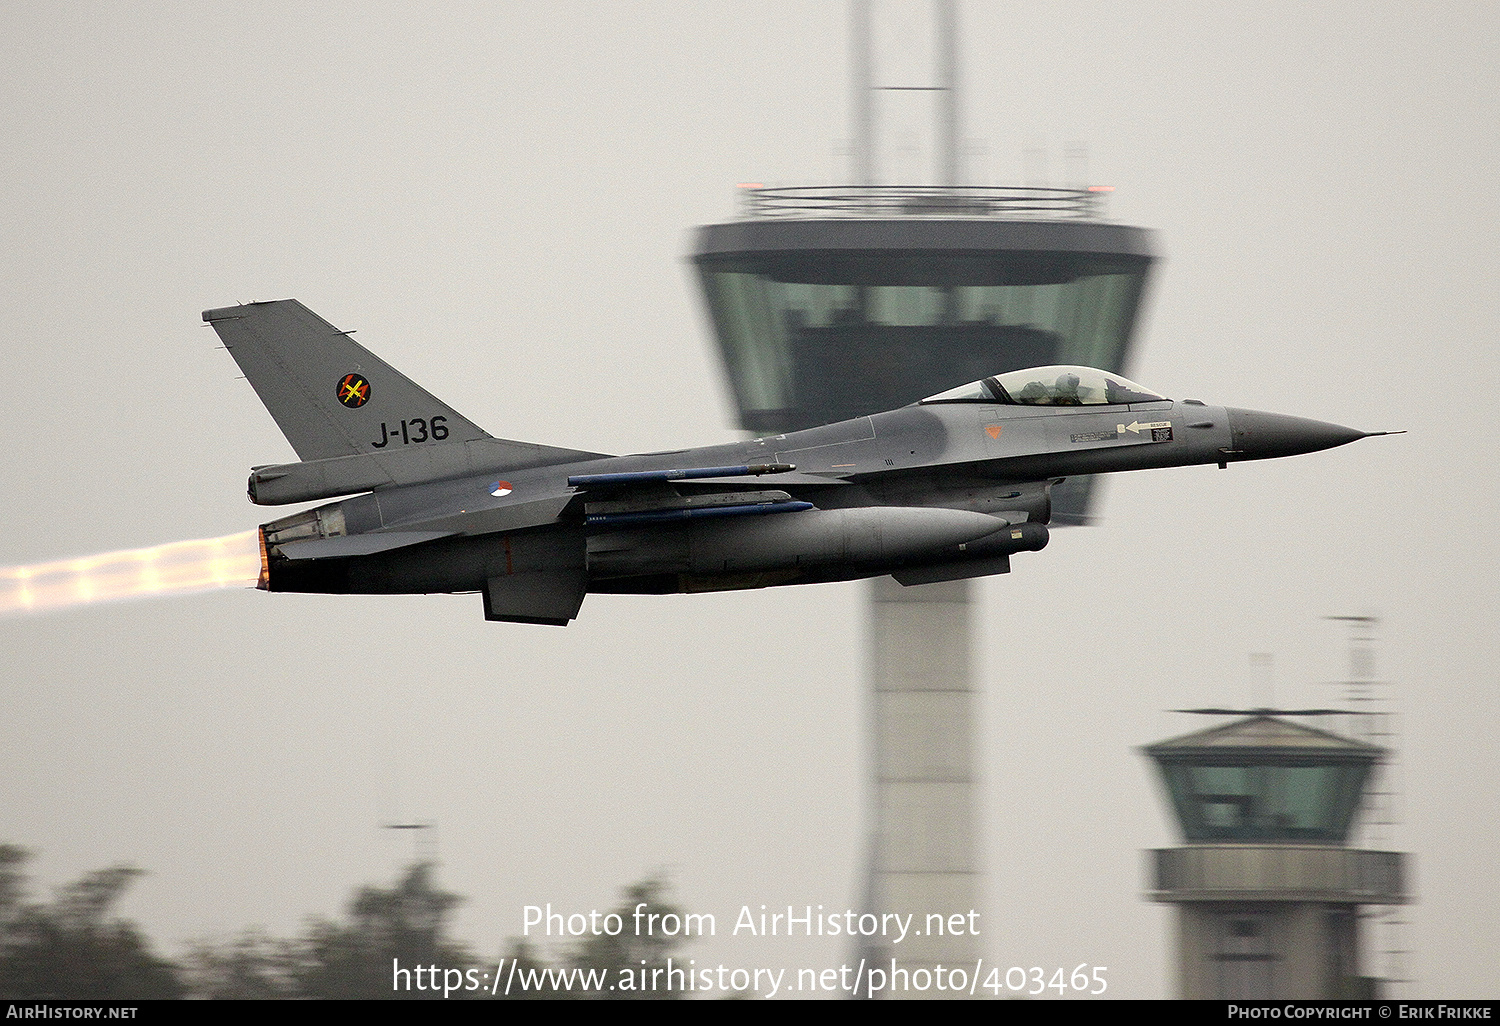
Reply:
x=947, y=488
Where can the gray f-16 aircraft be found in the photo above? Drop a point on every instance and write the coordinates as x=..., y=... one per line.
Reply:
x=943, y=489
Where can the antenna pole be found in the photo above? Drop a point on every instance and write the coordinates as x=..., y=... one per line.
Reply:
x=863, y=150
x=947, y=55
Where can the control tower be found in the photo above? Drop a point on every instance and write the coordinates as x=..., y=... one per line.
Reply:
x=838, y=302
x=831, y=302
x=1267, y=890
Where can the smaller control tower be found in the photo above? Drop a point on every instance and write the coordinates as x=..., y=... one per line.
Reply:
x=1267, y=889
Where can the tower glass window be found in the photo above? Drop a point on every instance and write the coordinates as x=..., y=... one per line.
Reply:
x=810, y=340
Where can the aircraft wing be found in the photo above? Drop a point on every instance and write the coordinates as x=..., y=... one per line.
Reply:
x=790, y=478
x=659, y=496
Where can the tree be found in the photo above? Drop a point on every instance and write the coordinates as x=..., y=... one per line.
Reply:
x=72, y=948
x=253, y=966
x=75, y=947
x=403, y=927
x=537, y=976
x=629, y=964
x=636, y=951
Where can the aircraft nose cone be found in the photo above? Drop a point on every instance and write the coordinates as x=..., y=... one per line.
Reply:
x=1261, y=436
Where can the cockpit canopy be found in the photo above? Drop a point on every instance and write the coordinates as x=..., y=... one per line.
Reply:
x=1049, y=386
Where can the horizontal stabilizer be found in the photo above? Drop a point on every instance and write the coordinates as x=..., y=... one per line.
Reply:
x=356, y=544
x=510, y=514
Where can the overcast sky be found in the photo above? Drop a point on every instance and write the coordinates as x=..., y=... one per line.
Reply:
x=499, y=197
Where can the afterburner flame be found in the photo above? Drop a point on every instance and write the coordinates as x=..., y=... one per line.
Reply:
x=176, y=568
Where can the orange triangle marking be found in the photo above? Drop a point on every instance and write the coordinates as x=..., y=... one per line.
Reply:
x=993, y=430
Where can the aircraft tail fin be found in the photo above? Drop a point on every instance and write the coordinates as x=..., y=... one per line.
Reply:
x=329, y=395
